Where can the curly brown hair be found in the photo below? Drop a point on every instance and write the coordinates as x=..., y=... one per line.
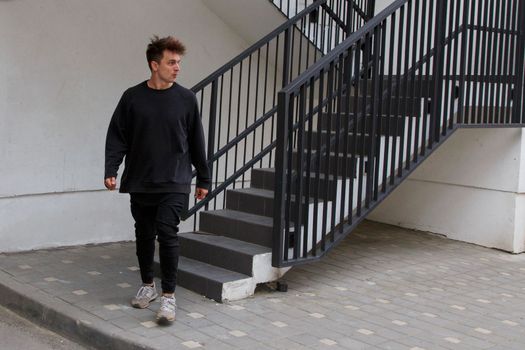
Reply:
x=157, y=46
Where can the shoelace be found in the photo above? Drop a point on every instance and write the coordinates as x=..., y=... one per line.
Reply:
x=168, y=304
x=143, y=291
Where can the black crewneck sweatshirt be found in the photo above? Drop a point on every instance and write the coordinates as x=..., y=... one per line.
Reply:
x=159, y=132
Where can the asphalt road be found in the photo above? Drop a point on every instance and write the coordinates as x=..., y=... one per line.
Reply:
x=18, y=333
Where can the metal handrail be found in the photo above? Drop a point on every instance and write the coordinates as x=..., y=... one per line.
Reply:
x=356, y=36
x=294, y=45
x=380, y=152
x=257, y=45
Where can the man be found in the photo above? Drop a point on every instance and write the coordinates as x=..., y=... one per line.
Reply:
x=157, y=127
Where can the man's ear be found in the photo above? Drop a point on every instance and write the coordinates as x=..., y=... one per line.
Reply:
x=154, y=66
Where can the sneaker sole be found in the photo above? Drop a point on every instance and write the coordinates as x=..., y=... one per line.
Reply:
x=164, y=320
x=137, y=305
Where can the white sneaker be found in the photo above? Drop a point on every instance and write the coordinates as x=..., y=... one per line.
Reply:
x=168, y=307
x=145, y=295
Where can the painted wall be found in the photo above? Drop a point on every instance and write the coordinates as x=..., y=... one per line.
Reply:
x=251, y=19
x=470, y=189
x=63, y=67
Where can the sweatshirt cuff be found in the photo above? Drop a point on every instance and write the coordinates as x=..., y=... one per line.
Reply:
x=203, y=183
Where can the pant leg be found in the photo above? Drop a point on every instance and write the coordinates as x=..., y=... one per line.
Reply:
x=170, y=208
x=144, y=214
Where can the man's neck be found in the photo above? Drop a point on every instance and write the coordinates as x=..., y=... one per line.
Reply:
x=158, y=84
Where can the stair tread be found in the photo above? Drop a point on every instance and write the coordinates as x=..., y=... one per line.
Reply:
x=242, y=216
x=339, y=154
x=211, y=272
x=226, y=243
x=312, y=174
x=254, y=191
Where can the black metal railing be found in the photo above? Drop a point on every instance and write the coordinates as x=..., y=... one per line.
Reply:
x=339, y=17
x=362, y=9
x=240, y=98
x=360, y=119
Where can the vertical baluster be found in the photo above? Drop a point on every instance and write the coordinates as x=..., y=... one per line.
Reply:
x=456, y=57
x=374, y=138
x=447, y=74
x=247, y=113
x=463, y=95
x=499, y=65
x=419, y=135
x=390, y=137
x=317, y=167
x=439, y=35
x=211, y=126
x=307, y=172
x=482, y=116
x=518, y=106
x=265, y=94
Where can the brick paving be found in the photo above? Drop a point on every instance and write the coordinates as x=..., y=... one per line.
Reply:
x=382, y=288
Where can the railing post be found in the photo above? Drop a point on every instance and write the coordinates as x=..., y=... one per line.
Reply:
x=518, y=105
x=211, y=127
x=286, y=57
x=437, y=71
x=349, y=17
x=463, y=62
x=370, y=9
x=281, y=160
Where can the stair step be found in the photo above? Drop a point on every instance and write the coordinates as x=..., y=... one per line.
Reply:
x=221, y=251
x=401, y=106
x=211, y=281
x=387, y=122
x=264, y=178
x=335, y=165
x=251, y=200
x=326, y=135
x=255, y=201
x=239, y=225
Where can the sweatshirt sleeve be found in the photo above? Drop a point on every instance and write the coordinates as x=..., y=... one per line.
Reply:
x=116, y=144
x=198, y=148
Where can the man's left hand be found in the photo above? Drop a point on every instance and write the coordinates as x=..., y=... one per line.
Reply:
x=200, y=193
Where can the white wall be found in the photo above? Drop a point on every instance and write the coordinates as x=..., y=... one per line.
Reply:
x=470, y=189
x=251, y=19
x=63, y=66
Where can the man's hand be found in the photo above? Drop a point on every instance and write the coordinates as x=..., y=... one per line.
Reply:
x=200, y=193
x=110, y=183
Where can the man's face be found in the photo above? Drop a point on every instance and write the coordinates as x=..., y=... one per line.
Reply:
x=168, y=68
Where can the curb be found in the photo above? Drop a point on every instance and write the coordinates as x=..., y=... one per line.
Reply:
x=63, y=318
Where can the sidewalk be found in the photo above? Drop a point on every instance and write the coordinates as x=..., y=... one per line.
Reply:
x=383, y=288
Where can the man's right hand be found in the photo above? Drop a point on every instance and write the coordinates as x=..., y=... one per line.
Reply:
x=110, y=183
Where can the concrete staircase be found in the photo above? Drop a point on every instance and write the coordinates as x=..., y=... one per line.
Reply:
x=232, y=251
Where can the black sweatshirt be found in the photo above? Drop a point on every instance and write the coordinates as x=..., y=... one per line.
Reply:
x=160, y=134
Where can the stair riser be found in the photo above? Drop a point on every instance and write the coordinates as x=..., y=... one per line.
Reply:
x=253, y=204
x=423, y=87
x=351, y=139
x=265, y=180
x=402, y=106
x=249, y=203
x=335, y=164
x=236, y=229
x=210, y=289
x=198, y=284
x=218, y=256
x=388, y=124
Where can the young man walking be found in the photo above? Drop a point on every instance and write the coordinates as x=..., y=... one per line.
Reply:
x=157, y=128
